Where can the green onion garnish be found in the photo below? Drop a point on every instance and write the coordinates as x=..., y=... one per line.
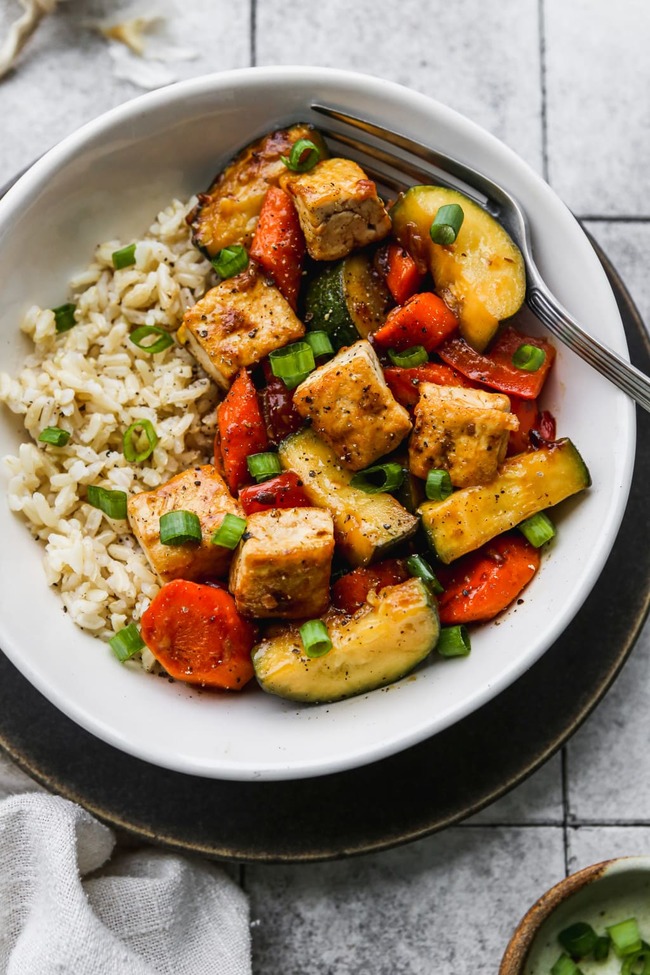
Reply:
x=126, y=642
x=315, y=638
x=303, y=156
x=230, y=261
x=293, y=363
x=420, y=568
x=565, y=966
x=64, y=318
x=538, y=529
x=54, y=435
x=320, y=343
x=631, y=963
x=578, y=939
x=163, y=341
x=438, y=485
x=125, y=257
x=139, y=434
x=601, y=948
x=229, y=532
x=112, y=503
x=454, y=641
x=380, y=478
x=179, y=528
x=447, y=223
x=263, y=466
x=625, y=937
x=415, y=356
x=529, y=357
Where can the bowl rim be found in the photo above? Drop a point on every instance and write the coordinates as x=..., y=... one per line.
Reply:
x=58, y=156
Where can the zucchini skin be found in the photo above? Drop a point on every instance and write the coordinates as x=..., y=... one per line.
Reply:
x=366, y=526
x=348, y=300
x=526, y=483
x=382, y=642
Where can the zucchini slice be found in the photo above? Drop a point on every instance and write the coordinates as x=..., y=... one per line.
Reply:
x=382, y=642
x=348, y=300
x=526, y=484
x=366, y=526
x=481, y=276
x=227, y=214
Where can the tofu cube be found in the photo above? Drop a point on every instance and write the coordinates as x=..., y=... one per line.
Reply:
x=463, y=431
x=351, y=407
x=338, y=208
x=282, y=568
x=238, y=323
x=201, y=490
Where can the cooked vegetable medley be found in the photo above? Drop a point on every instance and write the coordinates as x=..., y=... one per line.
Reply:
x=378, y=436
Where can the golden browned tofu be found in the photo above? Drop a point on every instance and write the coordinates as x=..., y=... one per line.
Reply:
x=338, y=208
x=352, y=408
x=282, y=569
x=201, y=490
x=227, y=213
x=238, y=323
x=463, y=431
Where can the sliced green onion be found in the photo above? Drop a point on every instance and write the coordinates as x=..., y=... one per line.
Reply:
x=112, y=503
x=631, y=963
x=125, y=257
x=179, y=528
x=293, y=363
x=601, y=948
x=315, y=638
x=438, y=485
x=447, y=223
x=565, y=966
x=578, y=939
x=303, y=156
x=415, y=356
x=420, y=568
x=625, y=936
x=163, y=341
x=64, y=318
x=538, y=529
x=263, y=466
x=380, y=478
x=529, y=357
x=229, y=532
x=230, y=261
x=320, y=343
x=134, y=437
x=126, y=642
x=54, y=435
x=454, y=641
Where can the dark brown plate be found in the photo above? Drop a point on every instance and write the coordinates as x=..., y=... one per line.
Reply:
x=402, y=798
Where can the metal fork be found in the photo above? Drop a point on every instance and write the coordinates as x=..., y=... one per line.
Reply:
x=501, y=205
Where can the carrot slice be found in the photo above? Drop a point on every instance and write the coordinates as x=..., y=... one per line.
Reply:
x=484, y=583
x=198, y=636
x=242, y=430
x=424, y=320
x=350, y=592
x=279, y=243
x=403, y=276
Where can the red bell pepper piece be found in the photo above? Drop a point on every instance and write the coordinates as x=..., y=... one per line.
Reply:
x=403, y=383
x=198, y=636
x=527, y=413
x=403, y=277
x=482, y=584
x=350, y=592
x=279, y=243
x=423, y=320
x=283, y=491
x=241, y=430
x=495, y=368
x=545, y=427
x=281, y=416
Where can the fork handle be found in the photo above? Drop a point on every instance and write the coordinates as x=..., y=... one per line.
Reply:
x=608, y=363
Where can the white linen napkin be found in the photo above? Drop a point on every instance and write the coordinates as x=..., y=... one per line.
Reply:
x=71, y=903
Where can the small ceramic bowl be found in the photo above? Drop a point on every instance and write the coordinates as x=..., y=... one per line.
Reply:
x=600, y=895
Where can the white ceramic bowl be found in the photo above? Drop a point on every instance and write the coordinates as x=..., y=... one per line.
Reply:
x=109, y=179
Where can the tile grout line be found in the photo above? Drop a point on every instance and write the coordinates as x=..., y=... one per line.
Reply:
x=564, y=771
x=253, y=30
x=542, y=83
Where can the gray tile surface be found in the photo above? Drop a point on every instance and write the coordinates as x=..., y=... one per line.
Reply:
x=565, y=83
